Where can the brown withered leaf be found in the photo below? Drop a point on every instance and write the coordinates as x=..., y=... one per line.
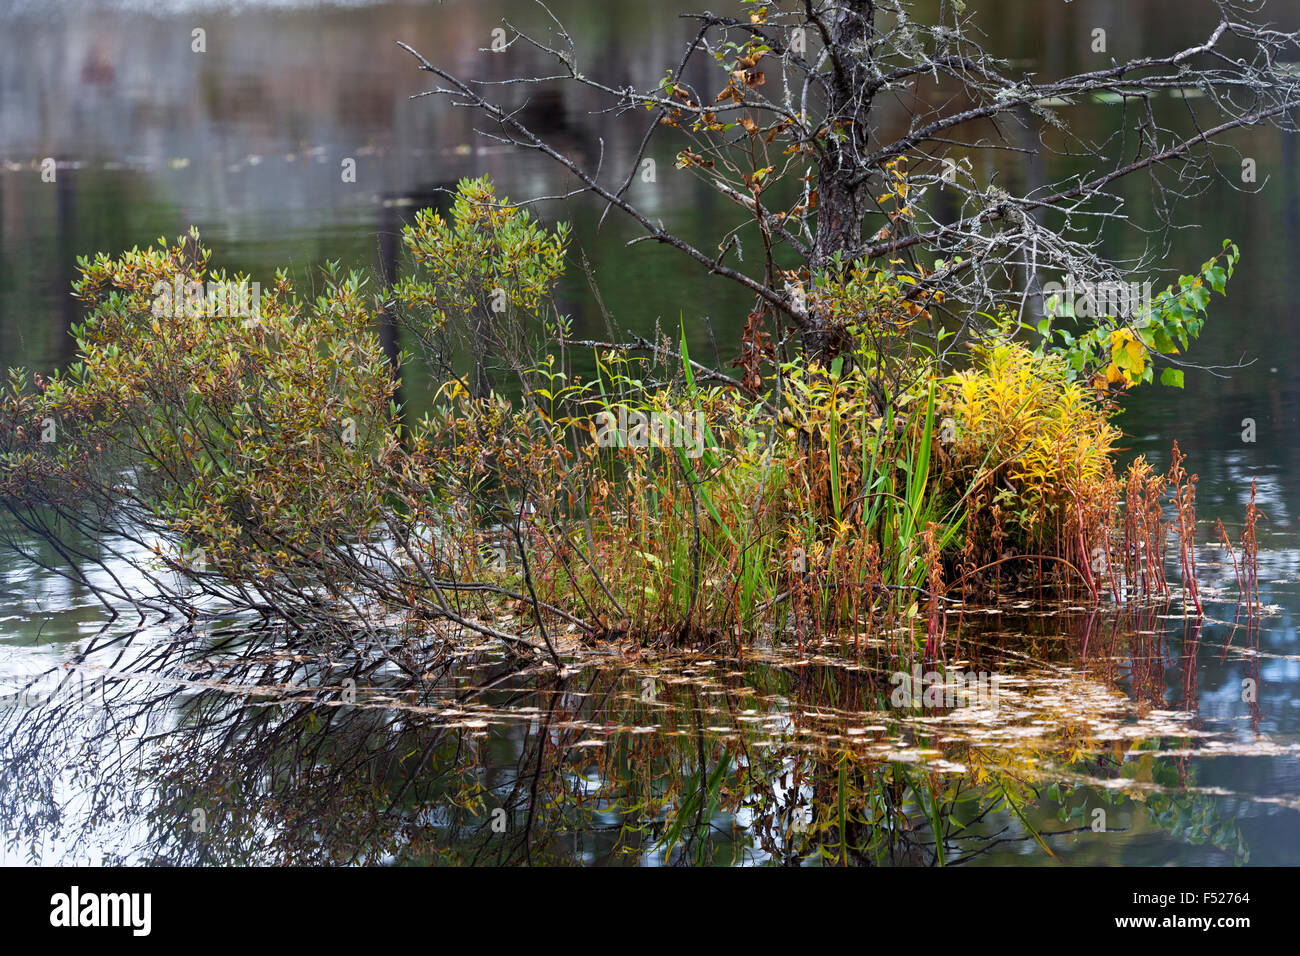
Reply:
x=755, y=346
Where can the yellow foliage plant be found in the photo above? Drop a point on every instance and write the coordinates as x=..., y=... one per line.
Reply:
x=1036, y=451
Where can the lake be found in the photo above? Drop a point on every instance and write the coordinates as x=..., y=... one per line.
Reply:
x=1117, y=737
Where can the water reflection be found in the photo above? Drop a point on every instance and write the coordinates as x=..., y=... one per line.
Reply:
x=226, y=742
x=229, y=744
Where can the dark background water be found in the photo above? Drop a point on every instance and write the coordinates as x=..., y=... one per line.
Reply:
x=245, y=142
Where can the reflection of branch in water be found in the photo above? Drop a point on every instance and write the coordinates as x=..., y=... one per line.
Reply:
x=256, y=744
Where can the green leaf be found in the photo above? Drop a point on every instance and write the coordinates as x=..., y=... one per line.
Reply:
x=1161, y=342
x=1218, y=279
x=1172, y=376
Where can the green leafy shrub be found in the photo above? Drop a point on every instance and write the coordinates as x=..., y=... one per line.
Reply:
x=251, y=437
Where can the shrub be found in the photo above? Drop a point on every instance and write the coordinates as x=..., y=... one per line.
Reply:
x=1036, y=451
x=256, y=439
x=836, y=495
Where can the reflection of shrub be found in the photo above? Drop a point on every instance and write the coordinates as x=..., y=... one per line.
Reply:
x=1036, y=449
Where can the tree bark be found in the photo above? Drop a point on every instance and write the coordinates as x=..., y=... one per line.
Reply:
x=843, y=195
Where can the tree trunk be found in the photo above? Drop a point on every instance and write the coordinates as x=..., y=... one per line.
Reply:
x=843, y=197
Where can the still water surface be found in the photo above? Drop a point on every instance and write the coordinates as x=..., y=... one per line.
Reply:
x=223, y=742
